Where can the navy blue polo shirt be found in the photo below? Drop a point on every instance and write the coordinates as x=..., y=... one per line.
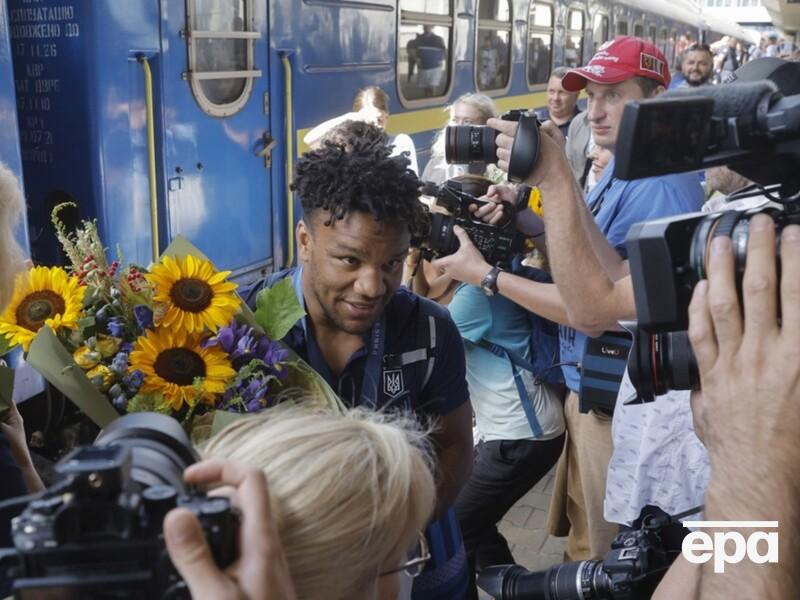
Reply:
x=406, y=333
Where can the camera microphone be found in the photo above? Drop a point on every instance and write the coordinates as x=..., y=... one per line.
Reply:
x=746, y=100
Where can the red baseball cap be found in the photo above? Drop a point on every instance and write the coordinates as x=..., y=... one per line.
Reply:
x=619, y=60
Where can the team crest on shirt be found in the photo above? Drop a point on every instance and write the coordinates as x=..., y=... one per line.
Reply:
x=393, y=384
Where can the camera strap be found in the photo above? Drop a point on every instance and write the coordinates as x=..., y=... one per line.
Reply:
x=517, y=362
x=597, y=204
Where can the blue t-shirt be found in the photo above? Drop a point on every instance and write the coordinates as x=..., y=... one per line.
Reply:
x=499, y=414
x=616, y=205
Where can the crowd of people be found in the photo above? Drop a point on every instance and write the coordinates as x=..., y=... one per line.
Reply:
x=463, y=377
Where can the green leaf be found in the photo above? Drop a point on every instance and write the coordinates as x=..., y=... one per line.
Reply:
x=86, y=326
x=277, y=309
x=5, y=345
x=148, y=403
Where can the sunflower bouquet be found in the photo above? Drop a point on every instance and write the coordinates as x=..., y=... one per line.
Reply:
x=174, y=338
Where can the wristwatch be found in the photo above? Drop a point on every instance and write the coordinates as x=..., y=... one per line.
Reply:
x=489, y=283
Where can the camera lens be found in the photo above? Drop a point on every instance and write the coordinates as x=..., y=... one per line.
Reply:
x=584, y=580
x=662, y=362
x=160, y=450
x=734, y=224
x=466, y=144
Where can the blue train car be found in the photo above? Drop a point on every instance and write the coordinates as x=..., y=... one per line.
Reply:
x=185, y=117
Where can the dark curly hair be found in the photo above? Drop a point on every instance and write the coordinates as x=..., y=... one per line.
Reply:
x=355, y=173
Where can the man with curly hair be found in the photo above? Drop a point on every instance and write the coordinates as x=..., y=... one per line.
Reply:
x=376, y=343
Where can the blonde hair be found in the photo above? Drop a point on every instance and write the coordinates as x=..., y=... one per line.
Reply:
x=480, y=102
x=349, y=491
x=12, y=259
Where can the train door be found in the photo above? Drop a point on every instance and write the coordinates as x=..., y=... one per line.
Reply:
x=217, y=144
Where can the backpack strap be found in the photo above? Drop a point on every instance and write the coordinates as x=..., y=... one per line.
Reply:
x=423, y=357
x=517, y=362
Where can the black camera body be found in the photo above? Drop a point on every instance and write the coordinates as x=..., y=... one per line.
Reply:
x=97, y=533
x=752, y=126
x=467, y=144
x=497, y=243
x=630, y=571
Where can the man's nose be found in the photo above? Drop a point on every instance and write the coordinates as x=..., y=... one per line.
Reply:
x=596, y=111
x=370, y=284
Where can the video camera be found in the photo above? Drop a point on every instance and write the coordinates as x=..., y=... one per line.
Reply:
x=97, y=533
x=751, y=125
x=466, y=144
x=631, y=570
x=497, y=243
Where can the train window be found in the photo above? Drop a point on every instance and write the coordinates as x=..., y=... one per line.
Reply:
x=662, y=42
x=540, y=42
x=424, y=49
x=600, y=31
x=573, y=53
x=672, y=48
x=638, y=30
x=220, y=41
x=651, y=34
x=622, y=28
x=493, y=46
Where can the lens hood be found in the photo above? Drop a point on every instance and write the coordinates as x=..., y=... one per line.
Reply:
x=525, y=151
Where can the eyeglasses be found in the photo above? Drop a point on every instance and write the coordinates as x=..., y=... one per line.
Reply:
x=417, y=559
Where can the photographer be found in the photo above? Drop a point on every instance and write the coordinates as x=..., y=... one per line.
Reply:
x=261, y=573
x=749, y=363
x=16, y=467
x=348, y=497
x=586, y=249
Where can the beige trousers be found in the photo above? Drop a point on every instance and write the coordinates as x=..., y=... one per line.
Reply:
x=576, y=508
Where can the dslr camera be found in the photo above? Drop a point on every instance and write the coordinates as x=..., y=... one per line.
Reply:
x=752, y=126
x=468, y=144
x=451, y=206
x=97, y=533
x=630, y=571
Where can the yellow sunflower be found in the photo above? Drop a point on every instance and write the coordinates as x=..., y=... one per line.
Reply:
x=195, y=294
x=42, y=296
x=173, y=361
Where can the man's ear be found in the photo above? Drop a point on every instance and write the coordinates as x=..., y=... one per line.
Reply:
x=659, y=90
x=304, y=241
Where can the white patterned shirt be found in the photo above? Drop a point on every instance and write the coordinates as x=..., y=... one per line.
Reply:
x=657, y=460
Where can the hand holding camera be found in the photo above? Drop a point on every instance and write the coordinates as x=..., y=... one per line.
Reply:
x=261, y=571
x=550, y=155
x=749, y=367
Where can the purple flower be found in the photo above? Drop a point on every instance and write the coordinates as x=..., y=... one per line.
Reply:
x=133, y=381
x=273, y=355
x=228, y=337
x=116, y=326
x=144, y=316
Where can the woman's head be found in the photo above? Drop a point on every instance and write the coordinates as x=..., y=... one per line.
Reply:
x=373, y=98
x=472, y=109
x=11, y=209
x=349, y=493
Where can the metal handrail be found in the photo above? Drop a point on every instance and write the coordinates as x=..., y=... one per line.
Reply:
x=287, y=86
x=151, y=153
